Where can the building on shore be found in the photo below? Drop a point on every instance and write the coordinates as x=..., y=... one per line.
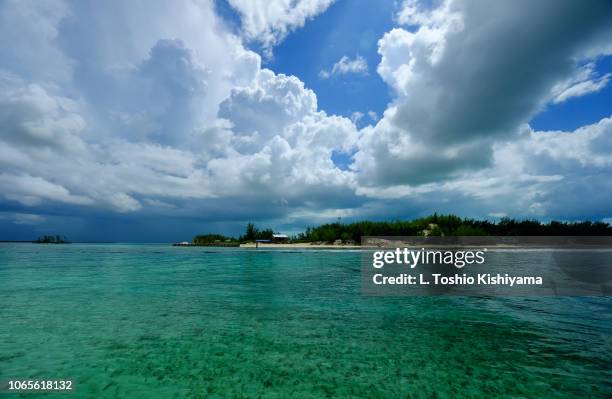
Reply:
x=278, y=238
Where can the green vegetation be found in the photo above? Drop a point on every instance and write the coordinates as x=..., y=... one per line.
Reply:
x=212, y=239
x=252, y=234
x=51, y=240
x=451, y=225
x=434, y=225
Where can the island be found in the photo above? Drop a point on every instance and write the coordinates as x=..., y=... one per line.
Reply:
x=51, y=239
x=347, y=235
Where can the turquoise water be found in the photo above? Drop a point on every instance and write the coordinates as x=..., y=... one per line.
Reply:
x=153, y=321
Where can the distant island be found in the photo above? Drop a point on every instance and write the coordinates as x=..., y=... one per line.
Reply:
x=434, y=225
x=52, y=240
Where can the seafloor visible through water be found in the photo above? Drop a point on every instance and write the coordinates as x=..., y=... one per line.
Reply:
x=152, y=321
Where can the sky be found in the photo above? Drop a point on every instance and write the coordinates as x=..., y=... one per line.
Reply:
x=153, y=121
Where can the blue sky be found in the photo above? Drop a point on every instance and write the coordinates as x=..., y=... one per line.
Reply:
x=155, y=121
x=350, y=28
x=578, y=111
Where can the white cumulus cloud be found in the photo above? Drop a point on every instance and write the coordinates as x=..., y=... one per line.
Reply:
x=466, y=78
x=175, y=110
x=345, y=66
x=270, y=21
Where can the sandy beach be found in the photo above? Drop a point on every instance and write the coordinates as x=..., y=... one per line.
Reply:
x=301, y=245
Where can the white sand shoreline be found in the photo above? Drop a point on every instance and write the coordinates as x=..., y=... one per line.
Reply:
x=301, y=245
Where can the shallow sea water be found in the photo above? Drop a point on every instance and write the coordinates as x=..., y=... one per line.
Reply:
x=154, y=321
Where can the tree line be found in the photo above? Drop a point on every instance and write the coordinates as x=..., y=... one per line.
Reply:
x=451, y=225
x=251, y=234
x=56, y=239
x=433, y=225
